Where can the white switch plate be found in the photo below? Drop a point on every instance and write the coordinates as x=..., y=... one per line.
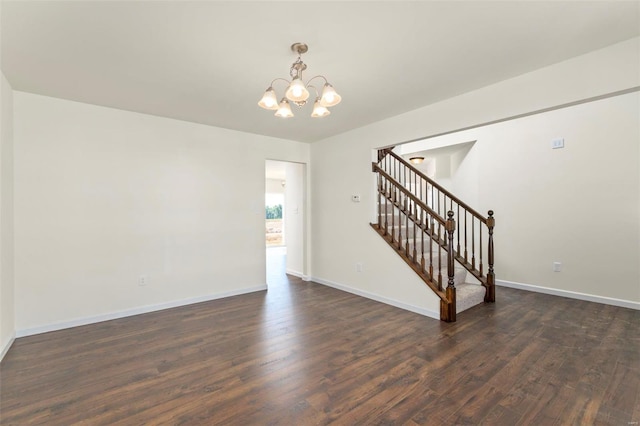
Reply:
x=355, y=198
x=557, y=143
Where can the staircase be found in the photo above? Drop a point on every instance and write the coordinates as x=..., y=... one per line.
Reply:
x=416, y=217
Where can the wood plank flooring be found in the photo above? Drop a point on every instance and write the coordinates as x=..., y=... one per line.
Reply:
x=305, y=354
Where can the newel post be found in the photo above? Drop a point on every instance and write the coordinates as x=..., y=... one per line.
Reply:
x=379, y=201
x=491, y=276
x=448, y=310
x=382, y=152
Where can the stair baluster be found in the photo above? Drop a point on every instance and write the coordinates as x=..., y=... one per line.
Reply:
x=422, y=263
x=393, y=228
x=473, y=243
x=439, y=258
x=431, y=251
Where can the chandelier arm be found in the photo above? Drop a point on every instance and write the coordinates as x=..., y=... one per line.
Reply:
x=317, y=76
x=314, y=88
x=279, y=78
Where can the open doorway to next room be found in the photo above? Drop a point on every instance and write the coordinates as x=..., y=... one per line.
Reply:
x=284, y=219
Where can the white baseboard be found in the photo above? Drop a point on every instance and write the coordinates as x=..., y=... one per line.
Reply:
x=300, y=275
x=378, y=298
x=294, y=273
x=7, y=345
x=135, y=311
x=571, y=294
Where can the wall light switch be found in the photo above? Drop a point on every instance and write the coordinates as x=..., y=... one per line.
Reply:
x=355, y=198
x=557, y=143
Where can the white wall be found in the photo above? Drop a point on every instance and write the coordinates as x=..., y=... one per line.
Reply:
x=103, y=196
x=341, y=166
x=342, y=236
x=7, y=308
x=294, y=215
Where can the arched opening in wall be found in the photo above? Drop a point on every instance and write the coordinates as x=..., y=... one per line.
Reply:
x=284, y=220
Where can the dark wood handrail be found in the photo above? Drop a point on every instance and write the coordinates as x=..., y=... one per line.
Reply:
x=440, y=188
x=376, y=168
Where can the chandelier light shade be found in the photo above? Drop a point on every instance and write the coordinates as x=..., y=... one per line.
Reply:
x=297, y=91
x=329, y=96
x=319, y=110
x=269, y=100
x=284, y=109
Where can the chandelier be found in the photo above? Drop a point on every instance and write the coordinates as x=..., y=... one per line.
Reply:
x=297, y=91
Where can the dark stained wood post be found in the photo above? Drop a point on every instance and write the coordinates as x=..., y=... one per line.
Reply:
x=450, y=227
x=407, y=205
x=380, y=190
x=415, y=225
x=398, y=203
x=448, y=310
x=491, y=276
x=379, y=201
x=386, y=207
x=422, y=236
x=383, y=152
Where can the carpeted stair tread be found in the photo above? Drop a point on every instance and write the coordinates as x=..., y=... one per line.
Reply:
x=468, y=295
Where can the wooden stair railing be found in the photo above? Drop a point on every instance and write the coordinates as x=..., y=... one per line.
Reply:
x=428, y=263
x=418, y=197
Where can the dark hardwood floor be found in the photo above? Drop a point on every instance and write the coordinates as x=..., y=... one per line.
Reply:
x=306, y=354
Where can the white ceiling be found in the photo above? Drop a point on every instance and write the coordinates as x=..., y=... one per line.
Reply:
x=209, y=62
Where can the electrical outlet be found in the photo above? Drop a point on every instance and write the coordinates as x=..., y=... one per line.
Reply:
x=557, y=266
x=143, y=280
x=359, y=267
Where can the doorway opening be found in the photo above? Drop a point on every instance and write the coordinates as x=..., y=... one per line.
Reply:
x=285, y=219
